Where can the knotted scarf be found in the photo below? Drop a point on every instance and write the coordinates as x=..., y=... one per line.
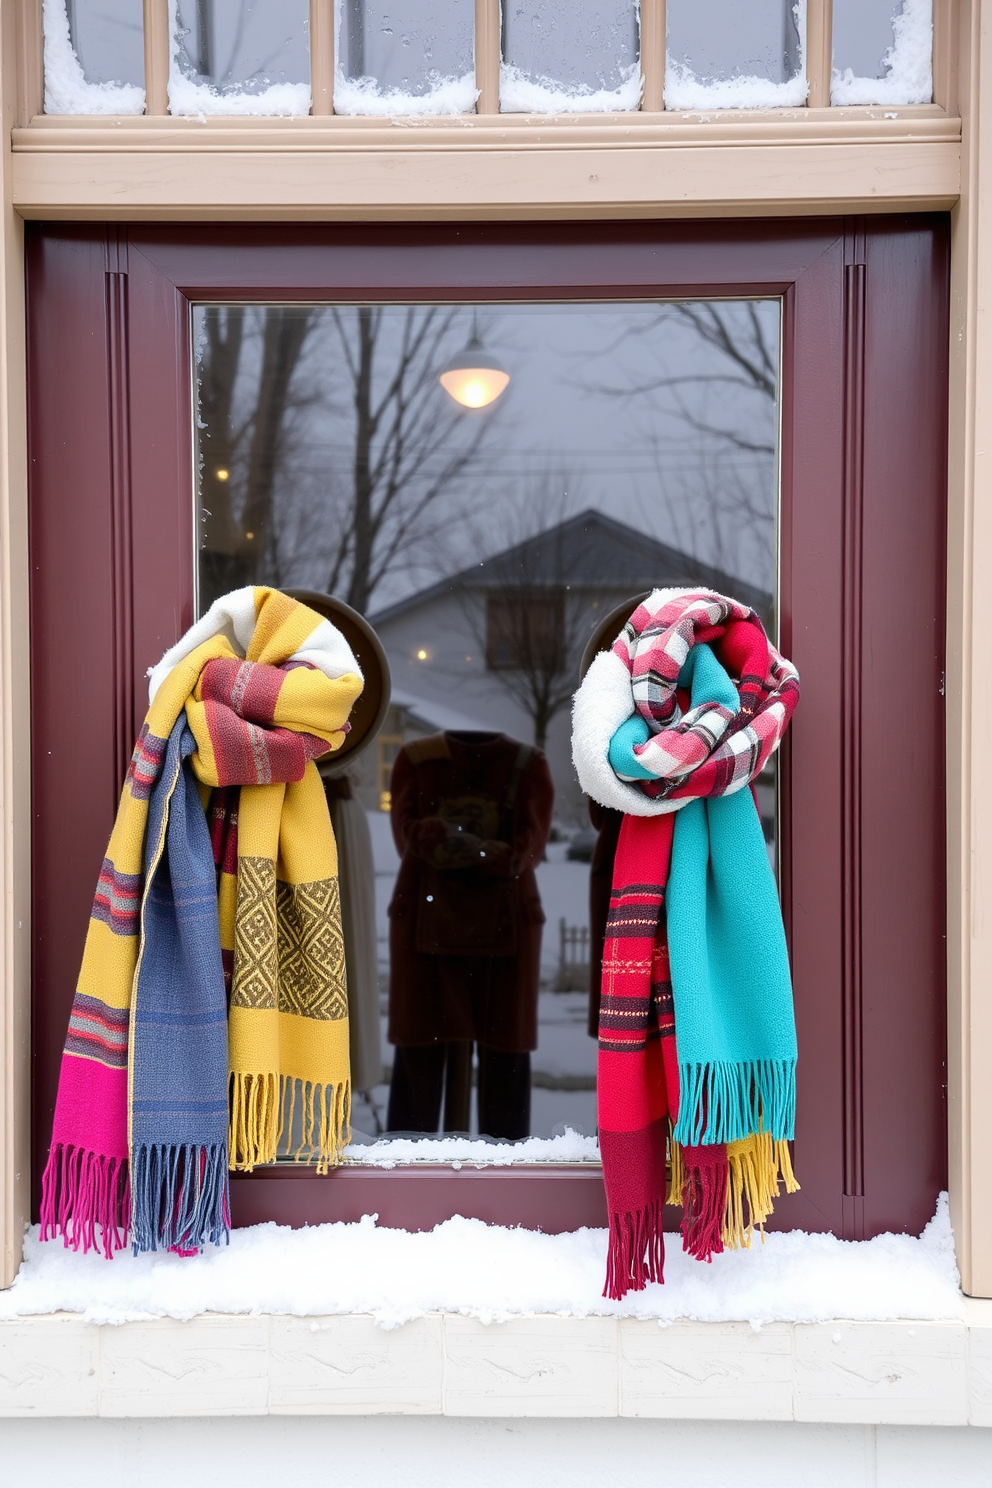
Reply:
x=697, y=1048
x=219, y=885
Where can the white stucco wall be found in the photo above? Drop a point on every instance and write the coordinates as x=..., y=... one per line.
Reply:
x=398, y=1452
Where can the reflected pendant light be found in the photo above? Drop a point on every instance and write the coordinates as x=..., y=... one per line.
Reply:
x=474, y=378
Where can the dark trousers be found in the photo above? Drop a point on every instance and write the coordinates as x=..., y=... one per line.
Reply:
x=422, y=1076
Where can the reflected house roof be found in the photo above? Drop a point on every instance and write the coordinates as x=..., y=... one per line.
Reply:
x=592, y=552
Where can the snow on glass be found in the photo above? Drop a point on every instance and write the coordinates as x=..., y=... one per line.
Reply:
x=723, y=55
x=239, y=57
x=581, y=58
x=401, y=57
x=882, y=52
x=94, y=62
x=493, y=1273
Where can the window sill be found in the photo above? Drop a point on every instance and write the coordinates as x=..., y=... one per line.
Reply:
x=905, y=1373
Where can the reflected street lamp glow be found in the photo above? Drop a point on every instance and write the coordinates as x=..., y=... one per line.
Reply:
x=474, y=378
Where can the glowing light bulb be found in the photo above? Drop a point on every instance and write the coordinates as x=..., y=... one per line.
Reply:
x=474, y=378
x=222, y=475
x=421, y=654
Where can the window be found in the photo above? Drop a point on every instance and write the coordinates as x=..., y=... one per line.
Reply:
x=817, y=481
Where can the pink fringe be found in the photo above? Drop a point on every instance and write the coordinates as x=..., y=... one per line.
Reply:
x=80, y=1191
x=636, y=1252
x=704, y=1200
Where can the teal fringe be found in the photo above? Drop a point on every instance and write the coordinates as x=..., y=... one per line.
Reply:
x=179, y=1197
x=727, y=1102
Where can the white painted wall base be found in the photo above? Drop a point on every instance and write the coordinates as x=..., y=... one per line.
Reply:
x=405, y=1452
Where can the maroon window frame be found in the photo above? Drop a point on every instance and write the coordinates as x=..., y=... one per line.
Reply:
x=864, y=393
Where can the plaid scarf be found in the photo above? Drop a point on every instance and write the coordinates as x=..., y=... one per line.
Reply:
x=164, y=1086
x=697, y=1038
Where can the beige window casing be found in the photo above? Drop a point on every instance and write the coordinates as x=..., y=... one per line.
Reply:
x=817, y=160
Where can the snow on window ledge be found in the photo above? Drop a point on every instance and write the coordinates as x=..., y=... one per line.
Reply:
x=190, y=97
x=494, y=1274
x=685, y=92
x=470, y=1152
x=66, y=88
x=363, y=97
x=908, y=64
x=522, y=93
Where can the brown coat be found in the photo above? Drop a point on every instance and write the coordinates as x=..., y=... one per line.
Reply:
x=466, y=917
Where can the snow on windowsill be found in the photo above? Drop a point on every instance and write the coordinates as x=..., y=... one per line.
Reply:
x=66, y=88
x=522, y=93
x=685, y=92
x=908, y=64
x=391, y=1152
x=362, y=97
x=491, y=1273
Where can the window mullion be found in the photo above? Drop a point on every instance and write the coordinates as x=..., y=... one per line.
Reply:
x=653, y=52
x=819, y=51
x=322, y=56
x=156, y=22
x=488, y=51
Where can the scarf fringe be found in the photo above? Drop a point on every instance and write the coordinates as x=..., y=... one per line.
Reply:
x=83, y=1192
x=263, y=1113
x=724, y=1201
x=636, y=1253
x=180, y=1197
x=728, y=1101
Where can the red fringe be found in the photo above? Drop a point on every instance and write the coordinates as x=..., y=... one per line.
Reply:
x=704, y=1204
x=636, y=1252
x=81, y=1190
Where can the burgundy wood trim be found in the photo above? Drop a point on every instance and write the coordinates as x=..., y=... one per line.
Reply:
x=547, y=1197
x=122, y=577
x=864, y=369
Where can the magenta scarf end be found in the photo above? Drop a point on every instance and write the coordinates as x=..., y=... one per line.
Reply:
x=85, y=1198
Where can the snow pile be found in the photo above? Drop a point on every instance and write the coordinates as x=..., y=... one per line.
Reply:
x=66, y=88
x=522, y=93
x=363, y=96
x=908, y=64
x=684, y=91
x=484, y=1271
x=470, y=1152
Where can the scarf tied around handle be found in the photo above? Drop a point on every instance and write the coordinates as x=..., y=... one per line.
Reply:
x=697, y=1042
x=211, y=1001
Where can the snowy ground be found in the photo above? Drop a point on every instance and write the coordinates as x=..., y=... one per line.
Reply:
x=484, y=1271
x=564, y=1064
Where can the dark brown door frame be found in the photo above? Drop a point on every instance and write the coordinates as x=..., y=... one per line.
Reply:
x=862, y=542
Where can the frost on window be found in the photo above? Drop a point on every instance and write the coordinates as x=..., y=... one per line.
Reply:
x=581, y=58
x=722, y=54
x=882, y=52
x=94, y=57
x=398, y=57
x=239, y=57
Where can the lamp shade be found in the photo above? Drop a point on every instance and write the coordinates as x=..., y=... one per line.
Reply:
x=474, y=378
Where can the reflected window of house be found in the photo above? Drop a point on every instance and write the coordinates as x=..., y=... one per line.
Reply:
x=94, y=57
x=240, y=57
x=633, y=446
x=583, y=58
x=725, y=55
x=404, y=57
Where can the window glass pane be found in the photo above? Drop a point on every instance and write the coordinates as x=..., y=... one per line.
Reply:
x=882, y=51
x=404, y=57
x=579, y=58
x=94, y=57
x=725, y=55
x=240, y=57
x=634, y=444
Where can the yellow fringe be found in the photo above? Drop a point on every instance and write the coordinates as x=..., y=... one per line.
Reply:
x=757, y=1168
x=262, y=1114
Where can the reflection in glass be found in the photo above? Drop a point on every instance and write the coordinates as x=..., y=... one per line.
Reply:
x=404, y=57
x=635, y=445
x=882, y=51
x=240, y=56
x=94, y=57
x=580, y=58
x=725, y=55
